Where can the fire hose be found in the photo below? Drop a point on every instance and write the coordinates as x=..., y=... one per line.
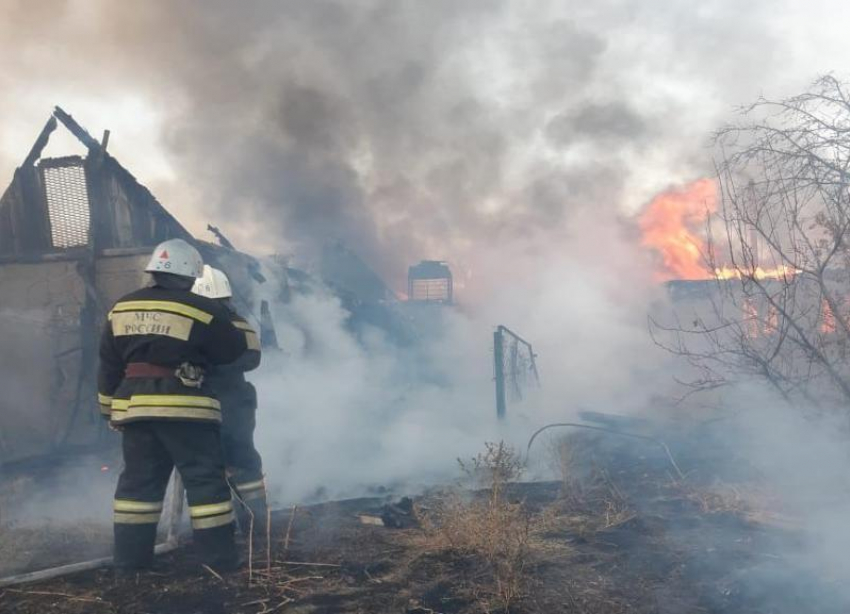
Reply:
x=654, y=440
x=175, y=513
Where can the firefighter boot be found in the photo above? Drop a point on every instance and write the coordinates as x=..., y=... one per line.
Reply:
x=253, y=523
x=134, y=545
x=252, y=513
x=217, y=548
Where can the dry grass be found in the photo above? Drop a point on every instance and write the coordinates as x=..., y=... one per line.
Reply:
x=497, y=531
x=751, y=503
x=722, y=498
x=590, y=499
x=275, y=575
x=480, y=520
x=490, y=545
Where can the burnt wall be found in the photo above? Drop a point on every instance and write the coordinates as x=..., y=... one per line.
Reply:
x=48, y=402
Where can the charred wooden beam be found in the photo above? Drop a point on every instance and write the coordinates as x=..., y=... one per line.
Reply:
x=30, y=222
x=76, y=129
x=40, y=142
x=268, y=334
x=222, y=240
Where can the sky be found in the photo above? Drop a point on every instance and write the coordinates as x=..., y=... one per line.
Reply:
x=407, y=129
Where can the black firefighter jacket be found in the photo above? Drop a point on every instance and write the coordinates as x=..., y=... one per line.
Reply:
x=167, y=328
x=228, y=381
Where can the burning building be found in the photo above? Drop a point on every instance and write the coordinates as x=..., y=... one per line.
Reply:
x=756, y=306
x=75, y=233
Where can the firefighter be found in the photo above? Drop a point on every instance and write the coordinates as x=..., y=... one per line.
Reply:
x=156, y=346
x=238, y=400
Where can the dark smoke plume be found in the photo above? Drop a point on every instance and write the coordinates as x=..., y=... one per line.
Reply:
x=406, y=129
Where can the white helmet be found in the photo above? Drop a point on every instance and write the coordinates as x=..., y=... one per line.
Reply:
x=213, y=284
x=177, y=257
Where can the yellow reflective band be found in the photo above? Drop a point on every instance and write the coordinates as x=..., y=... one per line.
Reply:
x=122, y=518
x=175, y=406
x=177, y=413
x=105, y=410
x=211, y=522
x=125, y=505
x=196, y=511
x=259, y=493
x=250, y=485
x=128, y=323
x=242, y=325
x=103, y=399
x=170, y=306
x=173, y=400
x=252, y=340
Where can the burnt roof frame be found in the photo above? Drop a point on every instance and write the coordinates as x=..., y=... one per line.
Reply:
x=140, y=221
x=98, y=151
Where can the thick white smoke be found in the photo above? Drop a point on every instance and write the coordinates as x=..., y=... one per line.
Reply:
x=337, y=415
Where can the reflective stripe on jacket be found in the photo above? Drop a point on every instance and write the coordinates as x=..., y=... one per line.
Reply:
x=167, y=328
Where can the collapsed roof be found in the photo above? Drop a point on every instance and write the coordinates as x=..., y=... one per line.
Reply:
x=69, y=203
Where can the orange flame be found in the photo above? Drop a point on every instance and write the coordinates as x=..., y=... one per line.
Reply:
x=780, y=272
x=671, y=226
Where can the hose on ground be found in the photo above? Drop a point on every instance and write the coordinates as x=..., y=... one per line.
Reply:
x=654, y=440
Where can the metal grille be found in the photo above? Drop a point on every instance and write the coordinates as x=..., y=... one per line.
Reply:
x=67, y=201
x=430, y=290
x=430, y=281
x=515, y=368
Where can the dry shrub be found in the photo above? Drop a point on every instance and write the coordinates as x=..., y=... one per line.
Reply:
x=751, y=503
x=498, y=465
x=566, y=455
x=590, y=499
x=486, y=524
x=717, y=499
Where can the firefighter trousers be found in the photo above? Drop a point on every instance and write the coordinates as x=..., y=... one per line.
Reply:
x=151, y=451
x=244, y=466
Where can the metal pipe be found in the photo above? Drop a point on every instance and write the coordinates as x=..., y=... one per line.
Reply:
x=499, y=373
x=55, y=572
x=514, y=335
